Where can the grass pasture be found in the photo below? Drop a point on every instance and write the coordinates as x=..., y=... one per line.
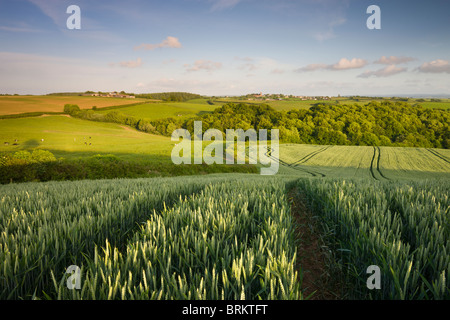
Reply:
x=70, y=137
x=83, y=150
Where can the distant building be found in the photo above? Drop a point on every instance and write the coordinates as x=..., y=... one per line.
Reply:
x=110, y=95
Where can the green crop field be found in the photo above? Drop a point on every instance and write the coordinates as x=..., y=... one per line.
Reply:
x=218, y=237
x=403, y=228
x=280, y=105
x=26, y=104
x=296, y=103
x=165, y=239
x=156, y=111
x=444, y=104
x=377, y=163
x=426, y=103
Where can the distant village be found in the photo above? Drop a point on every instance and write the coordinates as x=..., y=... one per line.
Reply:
x=273, y=97
x=250, y=97
x=114, y=94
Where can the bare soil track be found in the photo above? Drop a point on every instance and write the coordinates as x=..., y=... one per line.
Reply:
x=317, y=283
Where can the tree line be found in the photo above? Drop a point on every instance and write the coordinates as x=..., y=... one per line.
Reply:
x=374, y=124
x=169, y=96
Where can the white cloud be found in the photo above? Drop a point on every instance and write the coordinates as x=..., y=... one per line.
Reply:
x=169, y=42
x=262, y=64
x=387, y=71
x=205, y=65
x=131, y=64
x=312, y=67
x=128, y=64
x=436, y=66
x=393, y=60
x=343, y=64
x=54, y=9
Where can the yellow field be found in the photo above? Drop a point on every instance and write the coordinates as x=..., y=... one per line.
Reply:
x=25, y=104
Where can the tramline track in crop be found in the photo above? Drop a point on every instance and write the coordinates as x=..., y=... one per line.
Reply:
x=309, y=156
x=313, y=173
x=373, y=168
x=437, y=154
x=378, y=164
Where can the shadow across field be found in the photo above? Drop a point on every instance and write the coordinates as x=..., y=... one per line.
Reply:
x=108, y=166
x=201, y=113
x=30, y=144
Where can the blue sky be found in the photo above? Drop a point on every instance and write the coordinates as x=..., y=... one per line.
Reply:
x=226, y=47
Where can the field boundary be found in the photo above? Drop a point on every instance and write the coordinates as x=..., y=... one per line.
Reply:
x=29, y=115
x=121, y=106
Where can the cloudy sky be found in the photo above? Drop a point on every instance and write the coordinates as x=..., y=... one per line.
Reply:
x=226, y=47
